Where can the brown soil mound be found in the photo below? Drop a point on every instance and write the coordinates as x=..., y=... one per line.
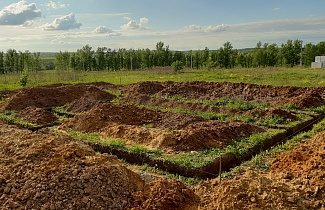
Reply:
x=53, y=96
x=40, y=171
x=167, y=195
x=7, y=93
x=195, y=136
x=174, y=121
x=147, y=88
x=302, y=97
x=213, y=134
x=306, y=165
x=151, y=137
x=253, y=191
x=161, y=102
x=106, y=113
x=37, y=116
x=81, y=105
x=270, y=113
x=307, y=99
x=296, y=181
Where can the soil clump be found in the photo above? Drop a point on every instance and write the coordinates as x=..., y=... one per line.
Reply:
x=53, y=96
x=37, y=116
x=284, y=95
x=295, y=181
x=165, y=194
x=271, y=113
x=42, y=171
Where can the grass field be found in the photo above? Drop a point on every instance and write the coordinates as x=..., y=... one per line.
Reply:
x=302, y=77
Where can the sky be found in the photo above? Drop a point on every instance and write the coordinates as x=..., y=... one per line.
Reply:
x=68, y=25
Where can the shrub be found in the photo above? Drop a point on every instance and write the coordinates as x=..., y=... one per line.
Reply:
x=177, y=66
x=23, y=80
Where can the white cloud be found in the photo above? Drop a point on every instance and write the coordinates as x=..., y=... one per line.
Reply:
x=193, y=28
x=216, y=28
x=197, y=28
x=55, y=5
x=102, y=30
x=191, y=37
x=276, y=9
x=66, y=22
x=144, y=21
x=105, y=30
x=19, y=13
x=135, y=25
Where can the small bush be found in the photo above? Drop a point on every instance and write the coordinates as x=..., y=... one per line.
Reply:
x=23, y=80
x=177, y=66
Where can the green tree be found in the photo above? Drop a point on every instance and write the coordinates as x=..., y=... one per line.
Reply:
x=85, y=58
x=272, y=53
x=241, y=60
x=291, y=52
x=101, y=61
x=259, y=56
x=2, y=69
x=225, y=53
x=62, y=61
x=177, y=66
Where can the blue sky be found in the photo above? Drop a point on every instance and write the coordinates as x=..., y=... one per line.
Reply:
x=47, y=26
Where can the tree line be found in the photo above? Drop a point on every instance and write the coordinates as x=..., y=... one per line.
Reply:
x=17, y=62
x=289, y=54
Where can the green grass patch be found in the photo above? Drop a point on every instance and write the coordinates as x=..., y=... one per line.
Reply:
x=235, y=104
x=116, y=144
x=238, y=147
x=301, y=77
x=263, y=160
x=11, y=118
x=222, y=102
x=61, y=112
x=320, y=109
x=141, y=150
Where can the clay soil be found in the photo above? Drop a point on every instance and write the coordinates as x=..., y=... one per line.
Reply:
x=47, y=170
x=296, y=181
x=301, y=97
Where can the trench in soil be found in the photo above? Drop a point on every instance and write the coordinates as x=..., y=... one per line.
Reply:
x=212, y=170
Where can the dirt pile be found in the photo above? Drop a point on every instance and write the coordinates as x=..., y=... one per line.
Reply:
x=305, y=166
x=302, y=97
x=296, y=181
x=40, y=171
x=307, y=99
x=167, y=195
x=107, y=113
x=37, y=116
x=253, y=191
x=147, y=88
x=53, y=96
x=161, y=102
x=7, y=93
x=271, y=113
x=149, y=127
x=212, y=134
